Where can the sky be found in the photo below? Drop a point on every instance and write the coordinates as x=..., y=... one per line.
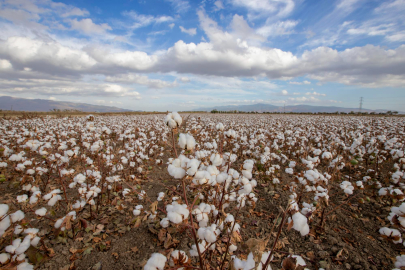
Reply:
x=158, y=55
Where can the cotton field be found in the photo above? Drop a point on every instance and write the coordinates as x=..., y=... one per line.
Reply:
x=202, y=191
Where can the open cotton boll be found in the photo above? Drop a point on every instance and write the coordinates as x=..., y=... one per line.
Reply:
x=347, y=187
x=400, y=261
x=165, y=222
x=17, y=216
x=177, y=118
x=25, y=266
x=300, y=223
x=3, y=209
x=41, y=211
x=202, y=246
x=220, y=126
x=216, y=159
x=4, y=257
x=289, y=170
x=177, y=212
x=178, y=256
x=208, y=234
x=156, y=261
x=22, y=198
x=245, y=265
x=23, y=246
x=161, y=195
x=182, y=140
x=4, y=225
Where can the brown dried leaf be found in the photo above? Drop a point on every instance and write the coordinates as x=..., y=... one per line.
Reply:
x=289, y=263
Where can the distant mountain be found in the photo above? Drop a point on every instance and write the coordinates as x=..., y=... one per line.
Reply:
x=291, y=108
x=44, y=105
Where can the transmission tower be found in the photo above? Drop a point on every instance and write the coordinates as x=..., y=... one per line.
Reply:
x=361, y=104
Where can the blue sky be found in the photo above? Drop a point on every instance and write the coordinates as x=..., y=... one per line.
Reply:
x=182, y=55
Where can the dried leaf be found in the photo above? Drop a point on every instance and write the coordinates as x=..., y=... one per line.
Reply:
x=289, y=263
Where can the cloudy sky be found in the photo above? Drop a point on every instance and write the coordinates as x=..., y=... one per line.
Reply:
x=181, y=55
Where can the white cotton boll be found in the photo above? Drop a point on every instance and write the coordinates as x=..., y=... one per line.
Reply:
x=23, y=246
x=18, y=229
x=41, y=212
x=245, y=265
x=54, y=200
x=22, y=198
x=182, y=140
x=220, y=126
x=327, y=155
x=4, y=225
x=59, y=222
x=247, y=174
x=383, y=191
x=3, y=209
x=177, y=118
x=35, y=241
x=232, y=248
x=300, y=223
x=165, y=222
x=276, y=181
x=161, y=195
x=201, y=246
x=136, y=212
x=4, y=257
x=171, y=123
x=400, y=261
x=289, y=170
x=25, y=266
x=190, y=142
x=208, y=234
x=176, y=255
x=248, y=166
x=17, y=216
x=216, y=159
x=156, y=261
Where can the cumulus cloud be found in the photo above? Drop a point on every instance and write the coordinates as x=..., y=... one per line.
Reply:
x=191, y=31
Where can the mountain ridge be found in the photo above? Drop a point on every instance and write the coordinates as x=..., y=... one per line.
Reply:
x=45, y=105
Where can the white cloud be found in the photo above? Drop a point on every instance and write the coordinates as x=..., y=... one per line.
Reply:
x=171, y=25
x=88, y=27
x=191, y=31
x=277, y=29
x=140, y=79
x=304, y=99
x=180, y=6
x=260, y=8
x=218, y=5
x=142, y=20
x=315, y=94
x=5, y=65
x=284, y=92
x=300, y=83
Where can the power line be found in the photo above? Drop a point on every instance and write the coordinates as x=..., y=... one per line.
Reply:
x=361, y=104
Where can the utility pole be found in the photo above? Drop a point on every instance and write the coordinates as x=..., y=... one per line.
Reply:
x=361, y=104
